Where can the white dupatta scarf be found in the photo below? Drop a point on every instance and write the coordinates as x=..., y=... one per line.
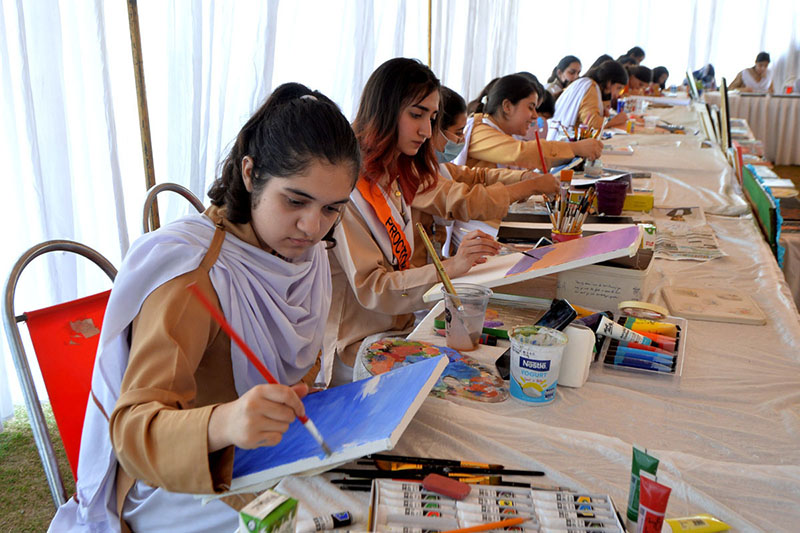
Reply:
x=279, y=308
x=569, y=103
x=761, y=86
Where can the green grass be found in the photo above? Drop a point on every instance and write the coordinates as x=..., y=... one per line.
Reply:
x=25, y=501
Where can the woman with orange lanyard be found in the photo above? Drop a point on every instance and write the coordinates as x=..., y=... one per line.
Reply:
x=376, y=288
x=507, y=107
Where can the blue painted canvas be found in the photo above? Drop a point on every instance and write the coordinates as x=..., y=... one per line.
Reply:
x=356, y=419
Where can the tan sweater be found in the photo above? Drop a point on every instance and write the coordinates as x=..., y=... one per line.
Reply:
x=489, y=147
x=369, y=295
x=179, y=370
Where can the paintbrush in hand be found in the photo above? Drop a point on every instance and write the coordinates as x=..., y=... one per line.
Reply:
x=506, y=246
x=227, y=328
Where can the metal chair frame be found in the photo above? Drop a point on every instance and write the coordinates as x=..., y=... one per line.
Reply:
x=41, y=435
x=174, y=187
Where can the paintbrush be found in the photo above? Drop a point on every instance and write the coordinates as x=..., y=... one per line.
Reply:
x=541, y=154
x=439, y=266
x=599, y=134
x=506, y=246
x=227, y=328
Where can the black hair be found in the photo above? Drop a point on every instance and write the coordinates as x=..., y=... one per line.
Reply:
x=762, y=56
x=547, y=106
x=600, y=60
x=627, y=60
x=473, y=105
x=641, y=73
x=608, y=71
x=565, y=62
x=636, y=51
x=540, y=90
x=512, y=88
x=657, y=73
x=292, y=129
x=451, y=105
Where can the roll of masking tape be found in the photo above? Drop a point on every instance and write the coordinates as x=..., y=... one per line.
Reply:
x=577, y=356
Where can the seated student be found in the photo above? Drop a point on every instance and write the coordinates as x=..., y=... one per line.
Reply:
x=447, y=145
x=705, y=75
x=546, y=109
x=375, y=287
x=567, y=71
x=509, y=109
x=635, y=54
x=639, y=78
x=756, y=79
x=660, y=77
x=627, y=61
x=172, y=395
x=582, y=101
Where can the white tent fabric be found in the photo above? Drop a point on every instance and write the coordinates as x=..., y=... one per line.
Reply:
x=70, y=157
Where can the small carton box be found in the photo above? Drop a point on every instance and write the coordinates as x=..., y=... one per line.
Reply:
x=604, y=285
x=271, y=512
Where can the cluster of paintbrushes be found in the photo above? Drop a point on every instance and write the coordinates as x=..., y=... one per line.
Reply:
x=584, y=131
x=566, y=215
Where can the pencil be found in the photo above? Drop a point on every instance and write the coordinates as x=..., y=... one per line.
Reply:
x=500, y=524
x=504, y=245
x=227, y=328
x=541, y=154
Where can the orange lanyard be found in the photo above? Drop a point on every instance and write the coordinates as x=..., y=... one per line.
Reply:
x=400, y=248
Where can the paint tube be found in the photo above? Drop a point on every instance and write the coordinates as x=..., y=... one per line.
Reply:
x=602, y=325
x=664, y=342
x=644, y=355
x=505, y=507
x=651, y=348
x=653, y=498
x=641, y=325
x=641, y=462
x=701, y=523
x=411, y=511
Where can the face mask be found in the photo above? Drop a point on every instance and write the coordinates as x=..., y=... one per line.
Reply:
x=451, y=151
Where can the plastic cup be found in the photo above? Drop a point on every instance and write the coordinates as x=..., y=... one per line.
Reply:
x=535, y=363
x=563, y=236
x=611, y=196
x=464, y=324
x=650, y=122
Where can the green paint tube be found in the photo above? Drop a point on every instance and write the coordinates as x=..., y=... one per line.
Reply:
x=641, y=462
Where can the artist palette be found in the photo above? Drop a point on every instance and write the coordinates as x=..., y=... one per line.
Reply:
x=670, y=366
x=463, y=377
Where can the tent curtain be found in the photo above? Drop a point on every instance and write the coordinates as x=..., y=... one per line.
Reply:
x=70, y=157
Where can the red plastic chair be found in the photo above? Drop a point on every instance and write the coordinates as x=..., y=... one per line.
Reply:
x=65, y=338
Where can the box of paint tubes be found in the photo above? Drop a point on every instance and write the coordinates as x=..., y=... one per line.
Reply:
x=405, y=507
x=660, y=350
x=271, y=512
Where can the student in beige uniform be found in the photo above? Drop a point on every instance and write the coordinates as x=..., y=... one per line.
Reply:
x=583, y=102
x=506, y=108
x=376, y=287
x=171, y=396
x=567, y=71
x=448, y=144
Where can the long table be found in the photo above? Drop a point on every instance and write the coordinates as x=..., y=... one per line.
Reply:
x=727, y=432
x=775, y=119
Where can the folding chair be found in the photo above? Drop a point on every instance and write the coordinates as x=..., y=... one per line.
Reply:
x=174, y=187
x=64, y=338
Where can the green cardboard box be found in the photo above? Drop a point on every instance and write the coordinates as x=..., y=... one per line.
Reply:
x=271, y=512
